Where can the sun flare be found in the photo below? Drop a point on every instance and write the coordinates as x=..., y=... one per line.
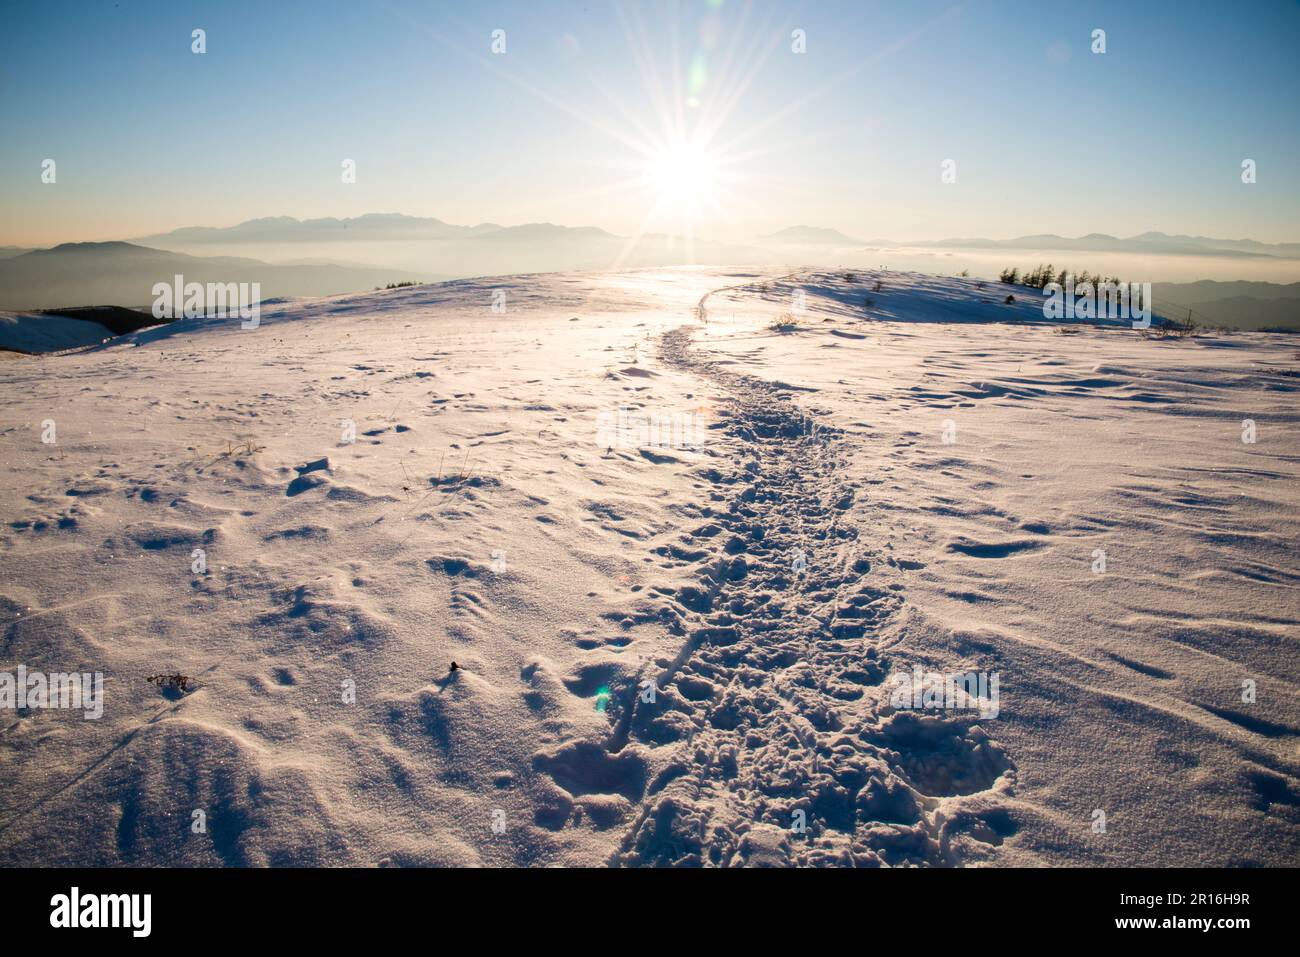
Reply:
x=683, y=173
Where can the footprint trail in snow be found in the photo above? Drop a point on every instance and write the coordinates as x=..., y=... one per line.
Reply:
x=770, y=739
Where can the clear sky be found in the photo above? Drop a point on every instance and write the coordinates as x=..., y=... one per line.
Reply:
x=654, y=116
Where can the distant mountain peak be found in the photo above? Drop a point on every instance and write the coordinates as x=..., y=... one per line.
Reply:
x=261, y=221
x=285, y=229
x=105, y=248
x=810, y=234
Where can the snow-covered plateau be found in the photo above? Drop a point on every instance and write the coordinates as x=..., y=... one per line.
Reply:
x=687, y=535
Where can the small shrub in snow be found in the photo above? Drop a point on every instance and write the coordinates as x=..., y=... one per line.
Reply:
x=172, y=686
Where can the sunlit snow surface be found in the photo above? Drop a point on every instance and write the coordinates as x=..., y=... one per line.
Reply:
x=948, y=465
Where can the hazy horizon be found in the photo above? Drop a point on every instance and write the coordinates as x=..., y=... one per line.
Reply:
x=770, y=233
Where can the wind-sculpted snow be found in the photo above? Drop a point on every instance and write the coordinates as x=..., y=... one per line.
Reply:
x=684, y=534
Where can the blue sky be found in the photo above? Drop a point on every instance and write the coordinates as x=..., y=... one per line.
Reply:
x=657, y=116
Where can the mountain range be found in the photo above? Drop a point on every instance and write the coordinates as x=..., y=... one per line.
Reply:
x=414, y=248
x=397, y=226
x=1149, y=242
x=120, y=273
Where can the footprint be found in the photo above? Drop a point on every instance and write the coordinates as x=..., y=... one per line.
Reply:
x=582, y=767
x=992, y=549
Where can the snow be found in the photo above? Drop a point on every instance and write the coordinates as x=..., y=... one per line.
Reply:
x=767, y=582
x=35, y=333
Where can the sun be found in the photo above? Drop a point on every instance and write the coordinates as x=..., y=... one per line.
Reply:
x=683, y=174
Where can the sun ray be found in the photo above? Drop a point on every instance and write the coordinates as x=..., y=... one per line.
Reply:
x=595, y=123
x=883, y=53
x=729, y=96
x=676, y=162
x=646, y=68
